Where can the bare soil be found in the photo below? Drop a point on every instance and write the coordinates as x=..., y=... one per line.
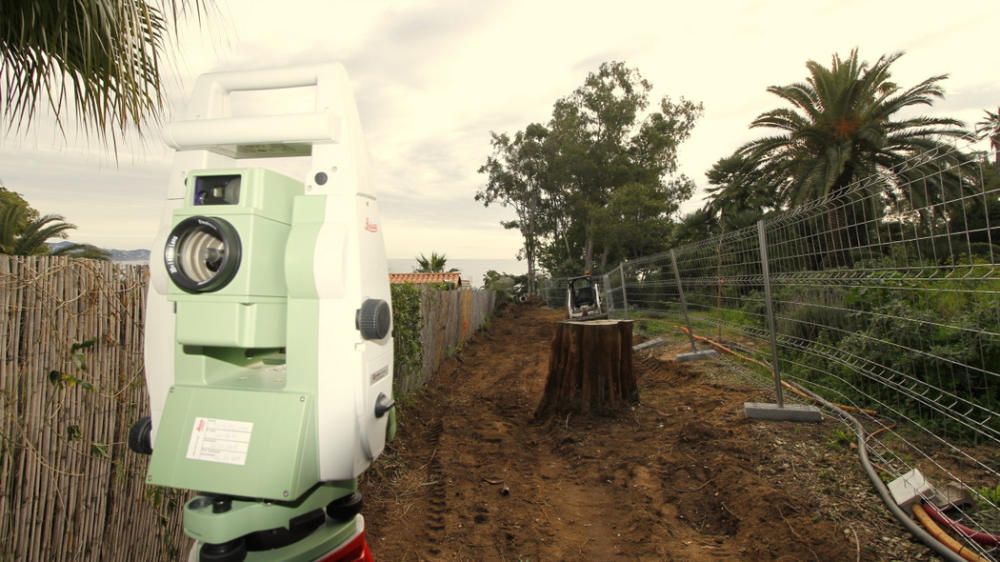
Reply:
x=681, y=476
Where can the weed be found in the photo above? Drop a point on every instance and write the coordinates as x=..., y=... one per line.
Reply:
x=840, y=439
x=988, y=497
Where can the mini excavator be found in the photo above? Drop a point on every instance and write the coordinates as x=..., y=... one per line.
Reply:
x=583, y=299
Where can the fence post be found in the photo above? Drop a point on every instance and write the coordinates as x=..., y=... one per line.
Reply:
x=775, y=412
x=621, y=270
x=766, y=271
x=609, y=301
x=684, y=306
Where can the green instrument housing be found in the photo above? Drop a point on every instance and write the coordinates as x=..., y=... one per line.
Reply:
x=230, y=371
x=275, y=466
x=250, y=311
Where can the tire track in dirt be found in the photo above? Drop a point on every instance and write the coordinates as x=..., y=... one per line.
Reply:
x=437, y=498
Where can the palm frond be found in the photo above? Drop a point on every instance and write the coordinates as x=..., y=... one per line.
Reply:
x=102, y=59
x=33, y=239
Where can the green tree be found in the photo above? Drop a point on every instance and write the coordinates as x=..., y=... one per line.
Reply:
x=13, y=199
x=563, y=178
x=32, y=238
x=989, y=128
x=434, y=264
x=694, y=226
x=637, y=219
x=103, y=58
x=516, y=176
x=607, y=140
x=739, y=193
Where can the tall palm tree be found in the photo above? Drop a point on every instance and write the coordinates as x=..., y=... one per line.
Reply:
x=843, y=125
x=103, y=58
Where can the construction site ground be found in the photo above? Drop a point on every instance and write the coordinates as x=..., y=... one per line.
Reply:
x=684, y=475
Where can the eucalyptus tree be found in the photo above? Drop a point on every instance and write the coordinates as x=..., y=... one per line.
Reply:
x=516, y=177
x=598, y=181
x=610, y=139
x=101, y=58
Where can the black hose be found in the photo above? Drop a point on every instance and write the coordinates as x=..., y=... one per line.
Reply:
x=897, y=512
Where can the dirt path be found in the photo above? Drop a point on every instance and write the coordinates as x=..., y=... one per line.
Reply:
x=684, y=476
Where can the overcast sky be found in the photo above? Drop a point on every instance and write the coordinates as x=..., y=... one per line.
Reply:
x=433, y=79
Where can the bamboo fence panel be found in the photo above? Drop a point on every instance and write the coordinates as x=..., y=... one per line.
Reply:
x=71, y=385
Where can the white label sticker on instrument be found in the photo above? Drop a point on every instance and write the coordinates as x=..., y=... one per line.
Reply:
x=224, y=441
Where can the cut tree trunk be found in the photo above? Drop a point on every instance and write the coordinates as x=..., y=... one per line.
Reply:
x=590, y=369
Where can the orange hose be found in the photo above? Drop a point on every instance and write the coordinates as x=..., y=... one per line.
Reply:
x=943, y=537
x=882, y=429
x=784, y=384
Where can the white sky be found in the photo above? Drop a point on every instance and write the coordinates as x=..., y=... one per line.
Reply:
x=434, y=78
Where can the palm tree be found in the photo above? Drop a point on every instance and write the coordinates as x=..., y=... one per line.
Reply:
x=32, y=239
x=843, y=127
x=739, y=193
x=989, y=128
x=433, y=264
x=102, y=57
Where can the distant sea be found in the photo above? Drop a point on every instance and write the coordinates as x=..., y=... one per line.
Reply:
x=472, y=270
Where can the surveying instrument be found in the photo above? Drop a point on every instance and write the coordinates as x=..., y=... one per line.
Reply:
x=268, y=349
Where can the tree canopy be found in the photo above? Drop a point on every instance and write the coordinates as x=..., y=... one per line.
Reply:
x=844, y=123
x=598, y=182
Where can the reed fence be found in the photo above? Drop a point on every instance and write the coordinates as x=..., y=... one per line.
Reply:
x=71, y=385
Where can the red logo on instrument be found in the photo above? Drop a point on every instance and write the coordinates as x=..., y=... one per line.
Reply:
x=370, y=226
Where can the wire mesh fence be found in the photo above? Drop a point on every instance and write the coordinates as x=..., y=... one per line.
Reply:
x=883, y=296
x=554, y=292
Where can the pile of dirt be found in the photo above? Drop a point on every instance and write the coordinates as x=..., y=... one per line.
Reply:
x=682, y=476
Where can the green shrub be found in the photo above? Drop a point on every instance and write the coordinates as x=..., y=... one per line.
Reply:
x=406, y=329
x=906, y=323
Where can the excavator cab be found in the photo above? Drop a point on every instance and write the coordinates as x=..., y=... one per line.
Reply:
x=583, y=299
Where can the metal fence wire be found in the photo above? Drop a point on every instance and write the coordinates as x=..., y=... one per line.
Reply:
x=885, y=297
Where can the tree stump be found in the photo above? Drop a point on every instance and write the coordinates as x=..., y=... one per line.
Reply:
x=590, y=369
